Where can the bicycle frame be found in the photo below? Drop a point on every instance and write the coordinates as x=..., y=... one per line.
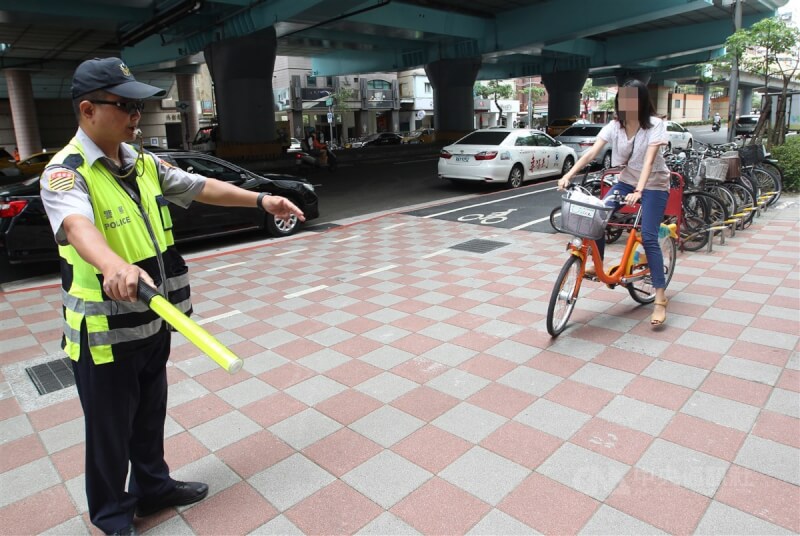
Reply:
x=631, y=272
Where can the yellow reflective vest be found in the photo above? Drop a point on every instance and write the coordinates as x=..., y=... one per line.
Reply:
x=138, y=228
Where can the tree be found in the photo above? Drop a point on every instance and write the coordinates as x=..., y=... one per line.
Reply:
x=341, y=98
x=588, y=93
x=534, y=95
x=769, y=48
x=494, y=90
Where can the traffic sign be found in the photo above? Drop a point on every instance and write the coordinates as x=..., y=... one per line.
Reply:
x=182, y=105
x=329, y=101
x=330, y=117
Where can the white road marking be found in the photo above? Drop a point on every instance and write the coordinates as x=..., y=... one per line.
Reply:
x=415, y=161
x=346, y=238
x=218, y=317
x=489, y=202
x=534, y=222
x=304, y=292
x=290, y=252
x=377, y=270
x=434, y=254
x=395, y=225
x=225, y=266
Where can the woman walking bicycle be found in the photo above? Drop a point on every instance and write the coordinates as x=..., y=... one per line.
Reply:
x=636, y=137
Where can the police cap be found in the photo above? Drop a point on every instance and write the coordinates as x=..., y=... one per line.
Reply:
x=112, y=75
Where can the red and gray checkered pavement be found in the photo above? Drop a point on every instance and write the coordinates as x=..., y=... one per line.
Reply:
x=393, y=385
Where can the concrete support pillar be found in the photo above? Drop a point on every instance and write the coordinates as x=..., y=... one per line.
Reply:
x=395, y=120
x=452, y=82
x=242, y=72
x=187, y=92
x=296, y=124
x=360, y=122
x=745, y=100
x=706, y=102
x=564, y=93
x=23, y=113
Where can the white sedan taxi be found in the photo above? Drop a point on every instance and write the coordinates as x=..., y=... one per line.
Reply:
x=505, y=155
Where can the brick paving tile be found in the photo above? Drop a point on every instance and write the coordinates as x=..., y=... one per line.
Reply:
x=613, y=440
x=522, y=444
x=580, y=396
x=425, y=403
x=348, y=406
x=790, y=379
x=762, y=496
x=501, y=399
x=704, y=436
x=236, y=510
x=70, y=462
x=183, y=449
x=660, y=503
x=438, y=507
x=273, y=409
x=745, y=391
x=20, y=451
x=9, y=408
x=254, y=453
x=664, y=394
x=199, y=410
x=777, y=427
x=335, y=509
x=56, y=414
x=38, y=512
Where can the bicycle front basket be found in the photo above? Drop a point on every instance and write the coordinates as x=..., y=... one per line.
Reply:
x=752, y=154
x=716, y=169
x=582, y=219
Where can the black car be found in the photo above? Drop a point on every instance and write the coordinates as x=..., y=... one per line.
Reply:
x=25, y=234
x=384, y=138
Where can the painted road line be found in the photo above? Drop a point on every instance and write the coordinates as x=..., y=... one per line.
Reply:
x=489, y=202
x=225, y=266
x=304, y=292
x=395, y=225
x=378, y=270
x=534, y=222
x=218, y=317
x=290, y=252
x=347, y=238
x=434, y=254
x=414, y=161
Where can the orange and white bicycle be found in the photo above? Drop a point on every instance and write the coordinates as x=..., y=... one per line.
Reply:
x=587, y=222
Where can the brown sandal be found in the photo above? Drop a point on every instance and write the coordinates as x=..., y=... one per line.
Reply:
x=659, y=321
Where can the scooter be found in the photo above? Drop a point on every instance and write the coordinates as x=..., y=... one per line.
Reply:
x=715, y=126
x=304, y=159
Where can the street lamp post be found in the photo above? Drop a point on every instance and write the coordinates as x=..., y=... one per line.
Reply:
x=530, y=109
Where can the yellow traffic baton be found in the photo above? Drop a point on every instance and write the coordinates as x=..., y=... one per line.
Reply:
x=189, y=328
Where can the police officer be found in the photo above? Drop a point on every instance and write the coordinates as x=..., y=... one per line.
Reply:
x=107, y=204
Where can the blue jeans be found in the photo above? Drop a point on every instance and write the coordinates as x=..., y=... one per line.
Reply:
x=654, y=202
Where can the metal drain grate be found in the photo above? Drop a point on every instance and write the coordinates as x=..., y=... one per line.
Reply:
x=321, y=227
x=479, y=245
x=52, y=376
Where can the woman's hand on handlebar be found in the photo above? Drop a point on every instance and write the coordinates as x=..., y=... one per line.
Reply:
x=633, y=198
x=564, y=181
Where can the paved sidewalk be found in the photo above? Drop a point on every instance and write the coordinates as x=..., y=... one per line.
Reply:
x=393, y=385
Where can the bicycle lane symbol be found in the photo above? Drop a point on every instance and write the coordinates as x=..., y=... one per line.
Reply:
x=493, y=218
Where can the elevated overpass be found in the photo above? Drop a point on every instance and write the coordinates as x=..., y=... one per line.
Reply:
x=564, y=41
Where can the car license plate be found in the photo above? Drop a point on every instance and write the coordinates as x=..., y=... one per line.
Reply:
x=462, y=159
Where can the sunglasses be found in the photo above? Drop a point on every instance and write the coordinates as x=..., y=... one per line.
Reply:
x=129, y=107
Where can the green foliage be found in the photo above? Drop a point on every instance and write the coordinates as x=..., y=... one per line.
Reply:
x=536, y=93
x=341, y=98
x=607, y=106
x=788, y=156
x=493, y=89
x=589, y=91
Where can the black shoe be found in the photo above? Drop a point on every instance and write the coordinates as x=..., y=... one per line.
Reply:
x=182, y=494
x=130, y=530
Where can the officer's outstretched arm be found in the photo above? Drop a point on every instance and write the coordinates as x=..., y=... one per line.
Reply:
x=221, y=193
x=119, y=277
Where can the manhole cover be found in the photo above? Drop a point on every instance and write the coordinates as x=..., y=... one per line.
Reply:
x=52, y=376
x=479, y=245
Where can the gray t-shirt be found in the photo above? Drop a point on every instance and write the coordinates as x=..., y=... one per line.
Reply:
x=65, y=196
x=631, y=152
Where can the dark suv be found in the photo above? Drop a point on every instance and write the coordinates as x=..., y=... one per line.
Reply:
x=746, y=125
x=25, y=234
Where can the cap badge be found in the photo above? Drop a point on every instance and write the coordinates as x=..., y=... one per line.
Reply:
x=124, y=69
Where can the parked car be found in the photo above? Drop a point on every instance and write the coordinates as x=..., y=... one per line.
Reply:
x=35, y=163
x=745, y=125
x=557, y=126
x=581, y=137
x=423, y=135
x=679, y=137
x=505, y=155
x=25, y=234
x=383, y=138
x=295, y=146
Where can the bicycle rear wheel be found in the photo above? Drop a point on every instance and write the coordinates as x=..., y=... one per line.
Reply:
x=642, y=290
x=769, y=179
x=564, y=296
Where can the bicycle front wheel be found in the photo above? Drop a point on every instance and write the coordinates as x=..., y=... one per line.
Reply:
x=555, y=219
x=564, y=296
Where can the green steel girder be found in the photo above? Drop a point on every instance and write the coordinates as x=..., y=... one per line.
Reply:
x=75, y=9
x=545, y=24
x=425, y=20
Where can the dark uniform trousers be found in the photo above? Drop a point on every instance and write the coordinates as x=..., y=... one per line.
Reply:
x=124, y=406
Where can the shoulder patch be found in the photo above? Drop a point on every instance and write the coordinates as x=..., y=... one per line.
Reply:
x=61, y=181
x=165, y=163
